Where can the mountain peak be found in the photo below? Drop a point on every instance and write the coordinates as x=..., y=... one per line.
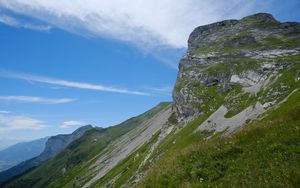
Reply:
x=83, y=129
x=244, y=29
x=232, y=54
x=260, y=17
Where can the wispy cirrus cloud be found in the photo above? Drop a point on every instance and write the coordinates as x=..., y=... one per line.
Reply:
x=150, y=23
x=11, y=21
x=5, y=112
x=166, y=90
x=72, y=123
x=34, y=99
x=15, y=122
x=66, y=83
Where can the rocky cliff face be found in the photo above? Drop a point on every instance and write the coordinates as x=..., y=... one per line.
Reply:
x=237, y=63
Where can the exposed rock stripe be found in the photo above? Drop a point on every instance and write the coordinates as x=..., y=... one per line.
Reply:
x=125, y=145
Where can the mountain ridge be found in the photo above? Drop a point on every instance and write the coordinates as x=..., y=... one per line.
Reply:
x=95, y=145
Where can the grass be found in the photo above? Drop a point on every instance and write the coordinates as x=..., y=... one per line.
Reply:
x=253, y=22
x=211, y=97
x=264, y=154
x=282, y=86
x=238, y=103
x=173, y=119
x=219, y=49
x=292, y=58
x=217, y=68
x=243, y=64
x=269, y=42
x=123, y=172
x=281, y=41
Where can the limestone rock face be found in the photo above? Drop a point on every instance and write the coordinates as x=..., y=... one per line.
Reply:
x=234, y=61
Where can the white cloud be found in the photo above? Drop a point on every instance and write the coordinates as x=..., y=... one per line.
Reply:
x=72, y=123
x=149, y=23
x=166, y=90
x=8, y=20
x=33, y=99
x=71, y=84
x=5, y=112
x=13, y=123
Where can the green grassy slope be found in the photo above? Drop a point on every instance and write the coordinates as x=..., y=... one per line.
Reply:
x=67, y=169
x=265, y=153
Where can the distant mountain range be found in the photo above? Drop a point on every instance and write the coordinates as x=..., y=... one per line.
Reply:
x=6, y=143
x=53, y=146
x=20, y=152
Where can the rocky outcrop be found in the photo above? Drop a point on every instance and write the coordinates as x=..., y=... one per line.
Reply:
x=232, y=61
x=218, y=123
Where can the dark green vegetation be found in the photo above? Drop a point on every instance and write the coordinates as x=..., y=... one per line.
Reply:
x=272, y=41
x=66, y=169
x=264, y=154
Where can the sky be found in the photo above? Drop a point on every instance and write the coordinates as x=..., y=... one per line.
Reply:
x=68, y=63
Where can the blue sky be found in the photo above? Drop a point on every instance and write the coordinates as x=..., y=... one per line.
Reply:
x=66, y=63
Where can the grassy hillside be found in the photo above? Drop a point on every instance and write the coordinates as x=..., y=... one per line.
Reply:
x=265, y=153
x=184, y=158
x=66, y=169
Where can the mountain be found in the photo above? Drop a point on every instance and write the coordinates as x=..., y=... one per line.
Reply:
x=20, y=152
x=234, y=120
x=237, y=64
x=237, y=96
x=53, y=146
x=56, y=144
x=7, y=142
x=90, y=157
